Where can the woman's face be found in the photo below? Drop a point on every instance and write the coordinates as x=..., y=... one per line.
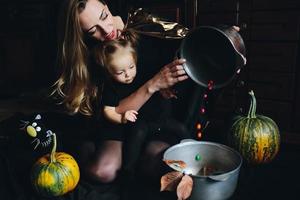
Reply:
x=97, y=21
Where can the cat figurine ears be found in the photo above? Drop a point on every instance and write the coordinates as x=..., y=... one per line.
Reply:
x=35, y=129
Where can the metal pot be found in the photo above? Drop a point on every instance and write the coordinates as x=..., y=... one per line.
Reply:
x=218, y=184
x=213, y=54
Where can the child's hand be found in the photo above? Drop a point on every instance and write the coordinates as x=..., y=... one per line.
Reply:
x=130, y=115
x=168, y=93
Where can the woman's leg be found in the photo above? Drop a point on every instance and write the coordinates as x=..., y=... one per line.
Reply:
x=175, y=129
x=152, y=166
x=135, y=137
x=104, y=161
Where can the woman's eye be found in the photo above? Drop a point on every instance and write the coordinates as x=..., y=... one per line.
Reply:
x=104, y=16
x=92, y=32
x=131, y=67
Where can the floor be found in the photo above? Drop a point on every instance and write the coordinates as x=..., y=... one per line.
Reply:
x=276, y=180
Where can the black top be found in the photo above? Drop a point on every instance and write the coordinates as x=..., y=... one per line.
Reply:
x=153, y=53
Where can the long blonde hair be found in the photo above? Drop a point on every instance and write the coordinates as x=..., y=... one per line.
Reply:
x=74, y=85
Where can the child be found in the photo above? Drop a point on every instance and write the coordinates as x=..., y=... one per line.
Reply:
x=119, y=58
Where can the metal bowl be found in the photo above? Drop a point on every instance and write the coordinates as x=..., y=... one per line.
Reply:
x=220, y=183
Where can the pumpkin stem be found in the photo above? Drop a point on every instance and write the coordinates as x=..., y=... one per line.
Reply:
x=252, y=109
x=52, y=155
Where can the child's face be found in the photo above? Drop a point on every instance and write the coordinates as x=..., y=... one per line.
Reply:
x=123, y=67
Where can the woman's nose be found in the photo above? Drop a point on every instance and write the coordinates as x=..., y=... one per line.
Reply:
x=104, y=28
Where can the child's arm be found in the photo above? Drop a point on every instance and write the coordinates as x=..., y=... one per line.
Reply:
x=112, y=115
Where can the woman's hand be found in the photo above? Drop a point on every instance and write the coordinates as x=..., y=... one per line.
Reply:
x=168, y=76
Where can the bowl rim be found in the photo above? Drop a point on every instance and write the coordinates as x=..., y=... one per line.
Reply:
x=194, y=142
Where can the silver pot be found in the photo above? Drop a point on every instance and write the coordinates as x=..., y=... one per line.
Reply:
x=213, y=55
x=217, y=183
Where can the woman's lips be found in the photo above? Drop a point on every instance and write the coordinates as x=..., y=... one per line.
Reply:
x=111, y=35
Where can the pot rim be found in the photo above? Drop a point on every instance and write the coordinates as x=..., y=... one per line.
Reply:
x=189, y=142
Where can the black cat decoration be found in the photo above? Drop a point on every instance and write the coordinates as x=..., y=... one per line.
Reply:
x=41, y=136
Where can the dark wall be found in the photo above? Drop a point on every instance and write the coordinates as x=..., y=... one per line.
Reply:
x=28, y=45
x=270, y=29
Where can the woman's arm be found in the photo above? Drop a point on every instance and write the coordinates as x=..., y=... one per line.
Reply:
x=168, y=76
x=119, y=118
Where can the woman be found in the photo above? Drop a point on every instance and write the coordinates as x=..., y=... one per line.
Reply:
x=86, y=22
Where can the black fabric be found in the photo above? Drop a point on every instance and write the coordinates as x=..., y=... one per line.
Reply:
x=155, y=109
x=17, y=157
x=135, y=138
x=10, y=188
x=111, y=131
x=153, y=53
x=136, y=134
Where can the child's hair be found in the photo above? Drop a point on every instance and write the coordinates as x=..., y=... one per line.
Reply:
x=103, y=52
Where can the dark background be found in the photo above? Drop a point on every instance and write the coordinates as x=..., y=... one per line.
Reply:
x=28, y=46
x=270, y=29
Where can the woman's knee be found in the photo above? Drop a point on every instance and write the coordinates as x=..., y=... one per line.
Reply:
x=156, y=148
x=104, y=174
x=151, y=166
x=107, y=163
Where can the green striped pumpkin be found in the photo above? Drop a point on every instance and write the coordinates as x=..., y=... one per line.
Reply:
x=256, y=137
x=55, y=174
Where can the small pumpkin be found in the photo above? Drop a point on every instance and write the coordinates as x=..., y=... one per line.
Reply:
x=55, y=174
x=256, y=137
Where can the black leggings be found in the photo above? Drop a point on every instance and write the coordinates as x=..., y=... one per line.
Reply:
x=139, y=133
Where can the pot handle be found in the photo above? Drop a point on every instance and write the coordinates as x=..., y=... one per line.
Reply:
x=221, y=177
x=243, y=59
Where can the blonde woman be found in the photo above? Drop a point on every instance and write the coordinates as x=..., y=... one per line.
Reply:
x=85, y=23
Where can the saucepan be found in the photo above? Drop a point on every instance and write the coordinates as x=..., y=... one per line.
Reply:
x=214, y=55
x=214, y=167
